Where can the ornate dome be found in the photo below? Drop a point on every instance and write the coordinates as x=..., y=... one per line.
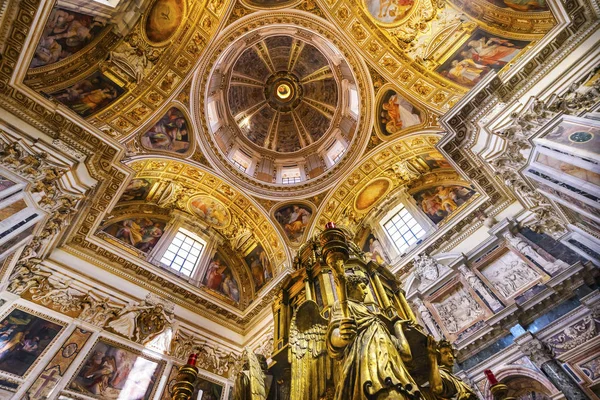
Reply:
x=283, y=107
x=283, y=94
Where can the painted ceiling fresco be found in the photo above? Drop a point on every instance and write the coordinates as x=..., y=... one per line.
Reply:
x=375, y=75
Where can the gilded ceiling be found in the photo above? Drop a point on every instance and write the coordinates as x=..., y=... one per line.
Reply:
x=214, y=102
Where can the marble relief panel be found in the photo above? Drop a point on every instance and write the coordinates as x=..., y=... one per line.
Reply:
x=457, y=308
x=509, y=275
x=573, y=335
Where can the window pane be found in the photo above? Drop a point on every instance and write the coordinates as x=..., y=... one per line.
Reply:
x=403, y=229
x=183, y=254
x=186, y=247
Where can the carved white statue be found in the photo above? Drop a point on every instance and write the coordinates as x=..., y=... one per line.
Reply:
x=476, y=284
x=427, y=318
x=126, y=320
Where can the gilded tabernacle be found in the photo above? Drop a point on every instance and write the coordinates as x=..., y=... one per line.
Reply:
x=344, y=331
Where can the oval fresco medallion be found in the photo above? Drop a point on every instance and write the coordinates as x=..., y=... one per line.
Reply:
x=389, y=12
x=210, y=210
x=372, y=193
x=163, y=20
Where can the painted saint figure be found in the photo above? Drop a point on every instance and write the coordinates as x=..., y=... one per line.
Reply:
x=377, y=252
x=398, y=114
x=170, y=133
x=492, y=51
x=297, y=221
x=219, y=277
x=65, y=33
x=89, y=95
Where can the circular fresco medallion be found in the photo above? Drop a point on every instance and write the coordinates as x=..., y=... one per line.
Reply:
x=163, y=20
x=210, y=210
x=390, y=12
x=581, y=137
x=372, y=193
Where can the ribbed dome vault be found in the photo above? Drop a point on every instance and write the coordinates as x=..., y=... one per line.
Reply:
x=284, y=108
x=283, y=94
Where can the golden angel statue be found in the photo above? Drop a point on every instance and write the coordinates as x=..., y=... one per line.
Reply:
x=311, y=365
x=443, y=384
x=372, y=359
x=251, y=383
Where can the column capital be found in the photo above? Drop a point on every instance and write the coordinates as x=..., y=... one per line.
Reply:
x=535, y=349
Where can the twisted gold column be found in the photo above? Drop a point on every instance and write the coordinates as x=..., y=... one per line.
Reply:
x=184, y=387
x=499, y=390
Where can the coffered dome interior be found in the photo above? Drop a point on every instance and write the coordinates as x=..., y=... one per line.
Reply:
x=282, y=106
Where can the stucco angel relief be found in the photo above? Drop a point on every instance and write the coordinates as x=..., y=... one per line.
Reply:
x=140, y=322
